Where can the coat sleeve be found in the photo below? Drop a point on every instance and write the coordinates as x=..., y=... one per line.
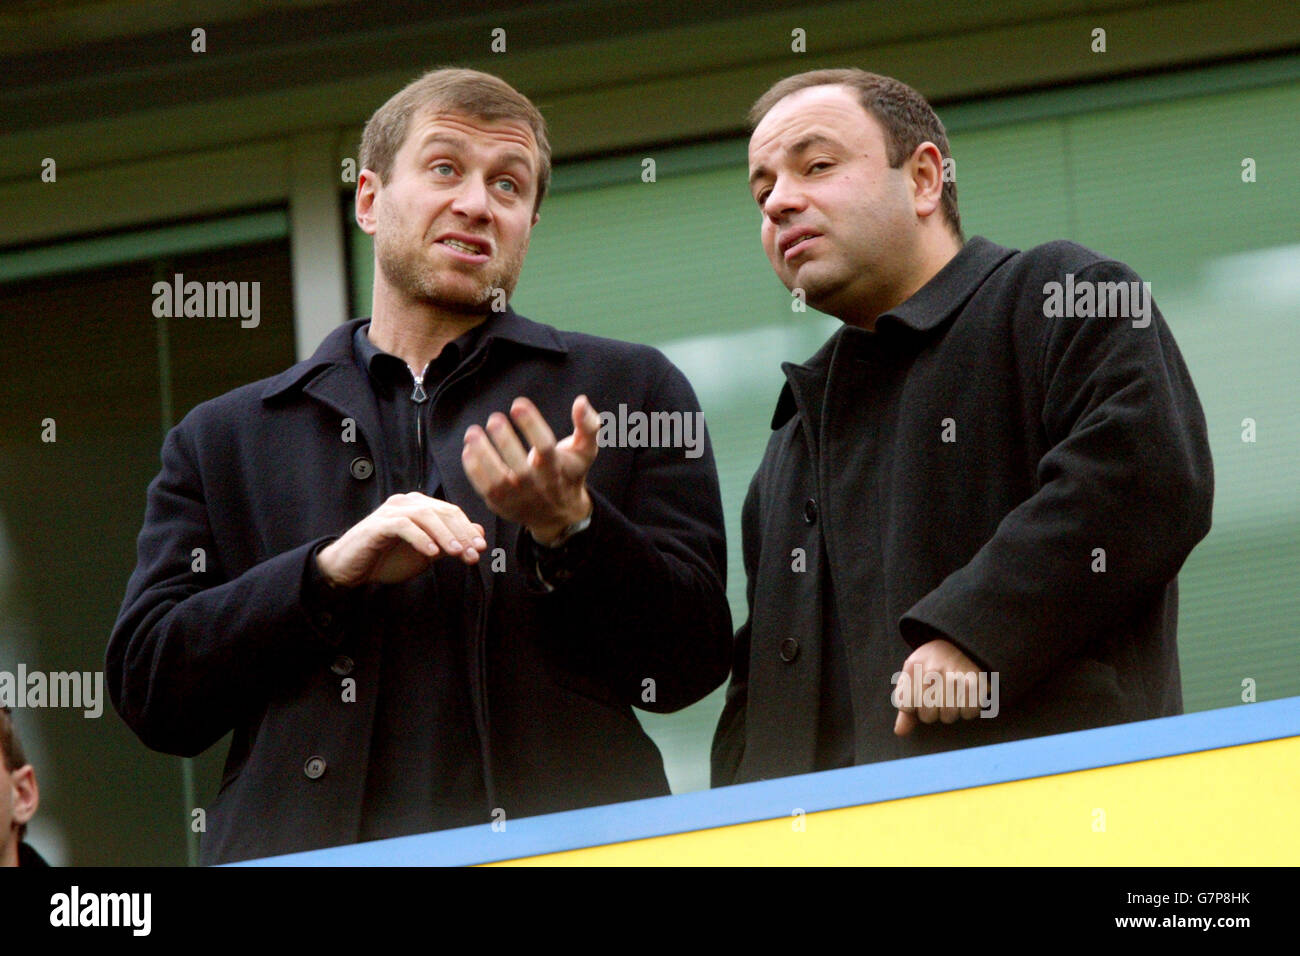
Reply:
x=647, y=599
x=1127, y=479
x=194, y=651
x=729, y=737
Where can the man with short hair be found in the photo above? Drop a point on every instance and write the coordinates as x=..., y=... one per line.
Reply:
x=19, y=797
x=970, y=516
x=418, y=612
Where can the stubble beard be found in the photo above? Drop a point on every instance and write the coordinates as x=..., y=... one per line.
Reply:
x=408, y=270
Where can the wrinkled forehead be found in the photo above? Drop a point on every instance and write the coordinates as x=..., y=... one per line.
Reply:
x=454, y=127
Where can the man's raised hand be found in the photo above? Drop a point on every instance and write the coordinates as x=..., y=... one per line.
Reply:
x=398, y=540
x=544, y=488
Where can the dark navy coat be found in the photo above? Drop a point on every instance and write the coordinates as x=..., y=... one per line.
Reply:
x=260, y=477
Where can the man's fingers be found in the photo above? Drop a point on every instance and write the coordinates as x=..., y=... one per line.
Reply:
x=902, y=696
x=444, y=529
x=586, y=427
x=907, y=709
x=407, y=529
x=437, y=529
x=939, y=666
x=483, y=465
x=400, y=539
x=434, y=515
x=467, y=537
x=466, y=532
x=507, y=443
x=972, y=708
x=534, y=427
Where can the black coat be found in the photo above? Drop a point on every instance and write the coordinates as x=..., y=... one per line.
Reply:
x=27, y=856
x=260, y=477
x=1068, y=435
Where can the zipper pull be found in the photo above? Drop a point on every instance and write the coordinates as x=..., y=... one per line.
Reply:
x=418, y=395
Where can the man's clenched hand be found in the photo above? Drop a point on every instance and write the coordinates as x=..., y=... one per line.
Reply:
x=943, y=658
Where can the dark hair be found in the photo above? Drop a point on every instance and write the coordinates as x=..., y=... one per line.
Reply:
x=907, y=118
x=11, y=750
x=472, y=92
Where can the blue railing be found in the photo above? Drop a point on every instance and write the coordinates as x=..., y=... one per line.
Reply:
x=829, y=790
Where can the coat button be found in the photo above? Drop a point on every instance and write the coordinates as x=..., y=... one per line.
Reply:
x=362, y=468
x=343, y=665
x=789, y=649
x=314, y=768
x=810, y=511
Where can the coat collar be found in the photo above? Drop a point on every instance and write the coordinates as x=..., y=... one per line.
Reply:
x=337, y=350
x=951, y=288
x=928, y=308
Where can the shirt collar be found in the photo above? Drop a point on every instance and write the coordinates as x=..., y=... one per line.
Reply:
x=386, y=369
x=338, y=347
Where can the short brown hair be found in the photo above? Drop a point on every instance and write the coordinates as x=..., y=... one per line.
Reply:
x=11, y=750
x=907, y=118
x=472, y=92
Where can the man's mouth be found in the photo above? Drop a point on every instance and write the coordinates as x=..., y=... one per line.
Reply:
x=792, y=247
x=469, y=248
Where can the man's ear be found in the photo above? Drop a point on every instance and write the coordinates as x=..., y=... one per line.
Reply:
x=536, y=216
x=926, y=171
x=368, y=186
x=27, y=796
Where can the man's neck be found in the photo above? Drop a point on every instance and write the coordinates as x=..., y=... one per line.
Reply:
x=417, y=334
x=935, y=254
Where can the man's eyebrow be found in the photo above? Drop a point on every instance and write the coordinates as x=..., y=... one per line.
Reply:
x=800, y=147
x=512, y=158
x=811, y=140
x=460, y=142
x=446, y=139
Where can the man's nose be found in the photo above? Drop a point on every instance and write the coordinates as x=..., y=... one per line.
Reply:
x=472, y=198
x=783, y=199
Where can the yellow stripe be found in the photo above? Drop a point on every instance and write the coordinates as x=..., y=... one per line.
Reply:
x=1230, y=807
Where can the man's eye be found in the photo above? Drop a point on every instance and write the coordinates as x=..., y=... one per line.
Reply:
x=820, y=164
x=508, y=184
x=444, y=169
x=761, y=197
